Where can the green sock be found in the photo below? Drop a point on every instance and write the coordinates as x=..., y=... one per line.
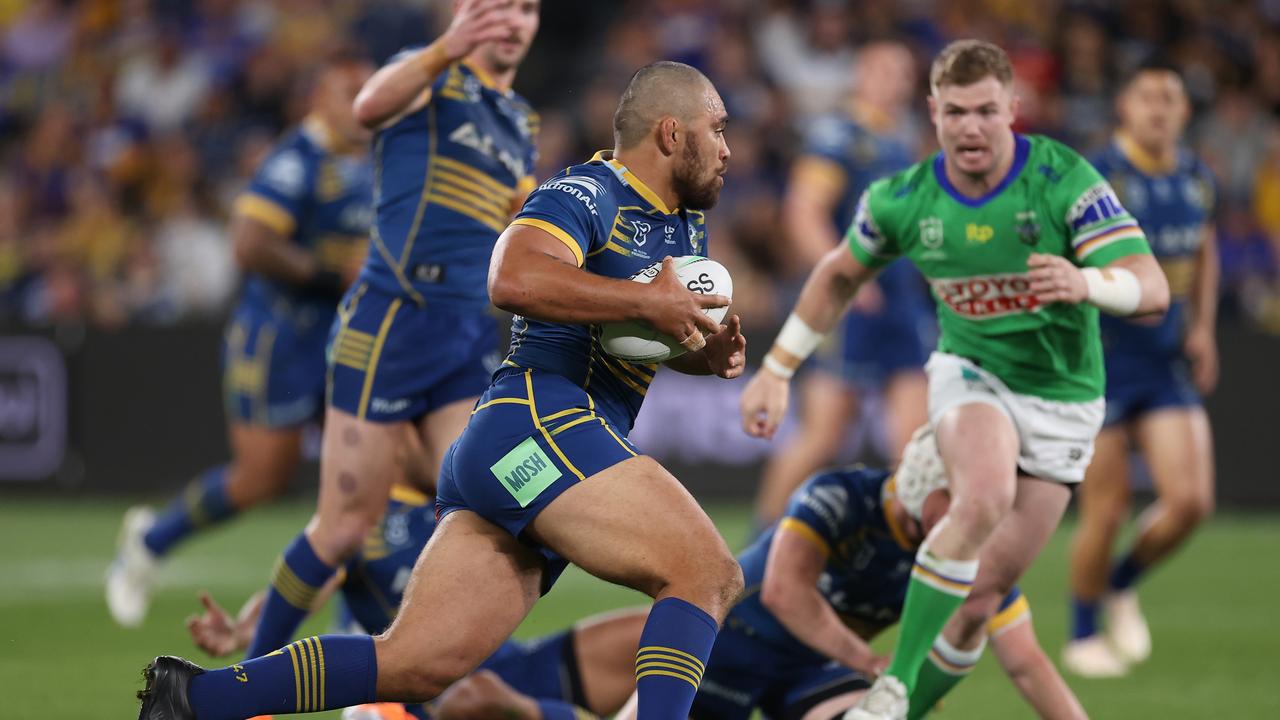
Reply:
x=938, y=586
x=943, y=670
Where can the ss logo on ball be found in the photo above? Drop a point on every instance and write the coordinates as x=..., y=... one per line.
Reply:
x=702, y=285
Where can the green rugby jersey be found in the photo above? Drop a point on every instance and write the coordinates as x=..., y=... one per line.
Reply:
x=974, y=253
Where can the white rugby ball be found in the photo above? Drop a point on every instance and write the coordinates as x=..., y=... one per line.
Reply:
x=637, y=342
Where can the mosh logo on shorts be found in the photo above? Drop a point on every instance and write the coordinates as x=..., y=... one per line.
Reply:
x=525, y=472
x=986, y=296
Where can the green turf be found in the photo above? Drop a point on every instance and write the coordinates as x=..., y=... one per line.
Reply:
x=1212, y=612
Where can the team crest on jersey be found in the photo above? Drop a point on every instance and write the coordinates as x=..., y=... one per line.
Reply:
x=931, y=234
x=1028, y=227
x=641, y=235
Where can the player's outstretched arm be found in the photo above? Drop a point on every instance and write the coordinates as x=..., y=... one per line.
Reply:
x=218, y=634
x=1129, y=285
x=826, y=294
x=535, y=274
x=790, y=592
x=1034, y=674
x=399, y=86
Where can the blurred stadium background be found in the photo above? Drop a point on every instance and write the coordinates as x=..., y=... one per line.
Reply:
x=128, y=126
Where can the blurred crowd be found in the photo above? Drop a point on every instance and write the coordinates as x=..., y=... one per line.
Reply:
x=128, y=126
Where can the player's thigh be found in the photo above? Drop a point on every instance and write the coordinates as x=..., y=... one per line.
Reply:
x=265, y=459
x=979, y=446
x=1178, y=447
x=1105, y=490
x=634, y=524
x=471, y=587
x=605, y=648
x=357, y=464
x=440, y=427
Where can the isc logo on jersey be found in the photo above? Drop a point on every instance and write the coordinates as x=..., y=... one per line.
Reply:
x=981, y=297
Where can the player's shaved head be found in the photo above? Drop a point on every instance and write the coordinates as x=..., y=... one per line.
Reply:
x=662, y=89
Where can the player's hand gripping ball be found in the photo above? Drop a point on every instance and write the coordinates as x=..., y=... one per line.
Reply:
x=638, y=342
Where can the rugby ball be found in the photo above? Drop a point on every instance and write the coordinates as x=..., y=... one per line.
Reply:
x=637, y=342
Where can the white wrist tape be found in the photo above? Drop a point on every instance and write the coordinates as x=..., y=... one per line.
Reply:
x=776, y=367
x=1113, y=290
x=797, y=338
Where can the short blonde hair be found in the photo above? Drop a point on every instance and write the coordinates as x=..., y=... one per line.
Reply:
x=965, y=62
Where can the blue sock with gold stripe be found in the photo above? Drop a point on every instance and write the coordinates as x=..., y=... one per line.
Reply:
x=674, y=648
x=310, y=675
x=204, y=502
x=298, y=577
x=938, y=587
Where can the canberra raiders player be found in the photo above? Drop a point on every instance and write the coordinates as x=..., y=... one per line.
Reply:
x=1022, y=242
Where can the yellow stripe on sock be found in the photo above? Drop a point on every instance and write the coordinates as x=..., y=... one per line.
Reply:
x=314, y=690
x=935, y=580
x=1018, y=610
x=295, y=592
x=947, y=666
x=320, y=652
x=650, y=664
x=648, y=673
x=672, y=651
x=297, y=678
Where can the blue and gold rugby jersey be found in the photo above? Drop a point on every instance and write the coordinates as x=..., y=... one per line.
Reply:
x=869, y=559
x=376, y=578
x=851, y=156
x=320, y=200
x=447, y=178
x=615, y=226
x=1172, y=205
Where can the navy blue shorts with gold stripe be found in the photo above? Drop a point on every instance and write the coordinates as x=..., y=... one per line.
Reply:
x=532, y=435
x=273, y=367
x=392, y=360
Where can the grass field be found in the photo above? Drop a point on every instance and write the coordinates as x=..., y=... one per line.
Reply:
x=1212, y=611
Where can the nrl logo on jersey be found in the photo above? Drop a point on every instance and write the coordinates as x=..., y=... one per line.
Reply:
x=931, y=234
x=585, y=189
x=982, y=297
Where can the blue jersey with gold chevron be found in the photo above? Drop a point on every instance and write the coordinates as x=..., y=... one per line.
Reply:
x=1173, y=206
x=447, y=177
x=869, y=560
x=615, y=226
x=319, y=200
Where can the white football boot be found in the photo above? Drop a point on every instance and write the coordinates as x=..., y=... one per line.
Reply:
x=1093, y=657
x=886, y=700
x=131, y=576
x=1126, y=627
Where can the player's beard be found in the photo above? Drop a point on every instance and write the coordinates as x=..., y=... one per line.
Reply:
x=693, y=192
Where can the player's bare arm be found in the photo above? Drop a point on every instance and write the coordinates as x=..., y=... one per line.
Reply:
x=258, y=248
x=1201, y=344
x=812, y=196
x=1131, y=285
x=400, y=86
x=1033, y=673
x=790, y=592
x=826, y=294
x=536, y=275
